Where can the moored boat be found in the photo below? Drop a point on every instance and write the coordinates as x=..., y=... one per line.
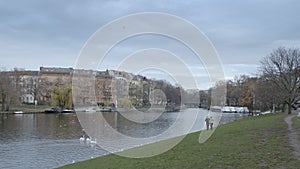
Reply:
x=68, y=111
x=52, y=110
x=18, y=112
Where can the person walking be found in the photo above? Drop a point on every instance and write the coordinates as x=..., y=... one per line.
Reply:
x=211, y=122
x=207, y=122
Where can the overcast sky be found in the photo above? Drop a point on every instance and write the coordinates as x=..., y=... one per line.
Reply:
x=36, y=33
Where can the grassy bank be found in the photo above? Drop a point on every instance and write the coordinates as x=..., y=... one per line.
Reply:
x=296, y=123
x=27, y=108
x=255, y=142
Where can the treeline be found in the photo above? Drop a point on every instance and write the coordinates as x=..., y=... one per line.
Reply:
x=146, y=92
x=242, y=91
x=277, y=86
x=11, y=88
x=280, y=75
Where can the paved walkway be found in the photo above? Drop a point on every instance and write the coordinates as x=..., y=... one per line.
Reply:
x=293, y=136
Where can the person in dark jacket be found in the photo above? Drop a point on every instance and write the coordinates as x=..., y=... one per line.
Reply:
x=207, y=122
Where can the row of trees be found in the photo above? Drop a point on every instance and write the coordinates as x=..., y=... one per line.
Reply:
x=147, y=92
x=241, y=91
x=10, y=88
x=6, y=91
x=277, y=86
x=281, y=70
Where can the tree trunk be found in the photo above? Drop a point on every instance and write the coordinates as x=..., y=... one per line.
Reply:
x=289, y=104
x=3, y=102
x=289, y=108
x=7, y=107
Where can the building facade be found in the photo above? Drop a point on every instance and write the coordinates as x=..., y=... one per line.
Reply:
x=29, y=83
x=89, y=87
x=48, y=77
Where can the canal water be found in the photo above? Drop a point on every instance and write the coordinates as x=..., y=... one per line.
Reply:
x=52, y=140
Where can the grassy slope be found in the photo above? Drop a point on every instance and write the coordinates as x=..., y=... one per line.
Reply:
x=255, y=142
x=28, y=108
x=296, y=123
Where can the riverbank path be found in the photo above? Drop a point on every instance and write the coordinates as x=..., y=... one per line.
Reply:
x=293, y=136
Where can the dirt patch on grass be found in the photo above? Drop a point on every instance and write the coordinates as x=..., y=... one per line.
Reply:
x=293, y=136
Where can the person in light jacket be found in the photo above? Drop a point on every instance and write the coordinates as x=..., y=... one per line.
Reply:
x=211, y=122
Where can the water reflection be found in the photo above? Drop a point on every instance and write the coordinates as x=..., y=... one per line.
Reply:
x=140, y=130
x=41, y=126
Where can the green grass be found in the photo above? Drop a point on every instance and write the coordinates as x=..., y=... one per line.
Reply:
x=28, y=108
x=254, y=142
x=296, y=123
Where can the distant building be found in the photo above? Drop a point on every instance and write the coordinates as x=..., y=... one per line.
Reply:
x=24, y=85
x=92, y=87
x=28, y=83
x=103, y=89
x=28, y=98
x=84, y=87
x=52, y=76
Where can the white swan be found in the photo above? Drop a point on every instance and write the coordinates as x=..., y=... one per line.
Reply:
x=94, y=141
x=88, y=140
x=82, y=138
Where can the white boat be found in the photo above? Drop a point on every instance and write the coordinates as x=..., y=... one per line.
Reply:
x=68, y=111
x=228, y=109
x=242, y=109
x=18, y=112
x=91, y=109
x=231, y=109
x=216, y=109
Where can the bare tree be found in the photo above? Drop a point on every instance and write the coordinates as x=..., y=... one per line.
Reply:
x=234, y=93
x=204, y=98
x=7, y=90
x=16, y=76
x=43, y=92
x=31, y=87
x=282, y=67
x=265, y=97
x=218, y=94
